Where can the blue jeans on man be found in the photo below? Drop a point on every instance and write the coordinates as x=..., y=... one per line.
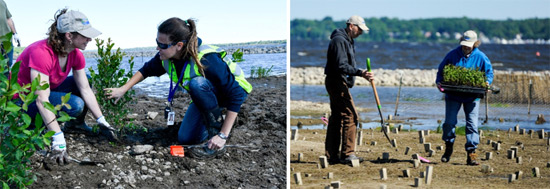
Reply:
x=471, y=110
x=78, y=106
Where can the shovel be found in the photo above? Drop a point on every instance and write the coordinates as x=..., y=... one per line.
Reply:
x=85, y=162
x=378, y=105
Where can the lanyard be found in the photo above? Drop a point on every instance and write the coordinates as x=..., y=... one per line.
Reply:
x=173, y=91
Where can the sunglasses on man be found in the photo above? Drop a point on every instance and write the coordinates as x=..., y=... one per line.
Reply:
x=165, y=46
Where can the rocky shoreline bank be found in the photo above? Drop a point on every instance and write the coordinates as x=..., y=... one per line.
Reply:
x=411, y=77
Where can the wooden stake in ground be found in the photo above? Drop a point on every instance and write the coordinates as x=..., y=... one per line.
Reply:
x=398, y=94
x=298, y=178
x=429, y=173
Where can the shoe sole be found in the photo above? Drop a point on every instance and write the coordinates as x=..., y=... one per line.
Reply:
x=197, y=155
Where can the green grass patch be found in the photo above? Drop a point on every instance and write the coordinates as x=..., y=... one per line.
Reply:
x=323, y=94
x=499, y=105
x=413, y=99
x=260, y=72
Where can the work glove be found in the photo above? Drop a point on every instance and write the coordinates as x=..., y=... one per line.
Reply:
x=58, y=151
x=106, y=129
x=16, y=39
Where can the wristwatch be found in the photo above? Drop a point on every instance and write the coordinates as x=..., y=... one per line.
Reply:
x=223, y=136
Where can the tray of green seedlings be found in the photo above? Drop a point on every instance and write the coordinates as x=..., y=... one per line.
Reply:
x=463, y=80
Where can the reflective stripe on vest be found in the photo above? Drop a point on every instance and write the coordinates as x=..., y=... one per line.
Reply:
x=203, y=50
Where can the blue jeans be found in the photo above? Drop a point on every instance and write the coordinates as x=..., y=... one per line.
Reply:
x=78, y=106
x=204, y=95
x=9, y=55
x=471, y=110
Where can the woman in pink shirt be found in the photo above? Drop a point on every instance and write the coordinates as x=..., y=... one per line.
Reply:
x=53, y=59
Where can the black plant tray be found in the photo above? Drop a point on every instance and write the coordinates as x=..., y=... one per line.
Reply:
x=462, y=89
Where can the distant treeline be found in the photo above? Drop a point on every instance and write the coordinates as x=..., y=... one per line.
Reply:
x=423, y=30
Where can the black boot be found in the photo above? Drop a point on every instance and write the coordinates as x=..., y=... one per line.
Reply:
x=448, y=152
x=472, y=158
x=213, y=120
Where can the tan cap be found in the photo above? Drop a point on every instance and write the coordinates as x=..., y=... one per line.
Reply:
x=74, y=21
x=359, y=21
x=469, y=38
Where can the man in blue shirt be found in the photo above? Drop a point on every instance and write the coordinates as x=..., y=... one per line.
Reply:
x=466, y=55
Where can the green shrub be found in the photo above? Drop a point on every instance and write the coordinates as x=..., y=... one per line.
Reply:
x=237, y=56
x=110, y=75
x=456, y=75
x=17, y=142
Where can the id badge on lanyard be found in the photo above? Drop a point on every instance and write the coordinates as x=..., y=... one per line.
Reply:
x=169, y=114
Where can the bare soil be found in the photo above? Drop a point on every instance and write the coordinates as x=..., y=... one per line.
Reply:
x=454, y=174
x=261, y=124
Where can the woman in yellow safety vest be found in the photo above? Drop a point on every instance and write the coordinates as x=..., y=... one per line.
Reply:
x=212, y=81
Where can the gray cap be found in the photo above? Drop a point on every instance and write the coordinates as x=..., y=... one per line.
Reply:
x=359, y=21
x=74, y=21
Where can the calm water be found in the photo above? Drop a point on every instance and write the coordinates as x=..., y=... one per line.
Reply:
x=422, y=55
x=158, y=86
x=420, y=107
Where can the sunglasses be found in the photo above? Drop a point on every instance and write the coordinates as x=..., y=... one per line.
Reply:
x=165, y=46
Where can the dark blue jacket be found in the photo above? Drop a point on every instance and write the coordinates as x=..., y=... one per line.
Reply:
x=229, y=93
x=341, y=58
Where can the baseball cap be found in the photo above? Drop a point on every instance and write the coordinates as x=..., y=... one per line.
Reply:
x=357, y=20
x=74, y=21
x=469, y=38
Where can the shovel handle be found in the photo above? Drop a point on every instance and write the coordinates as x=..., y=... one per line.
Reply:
x=376, y=95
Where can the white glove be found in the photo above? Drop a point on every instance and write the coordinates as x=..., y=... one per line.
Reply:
x=106, y=129
x=59, y=148
x=16, y=39
x=101, y=120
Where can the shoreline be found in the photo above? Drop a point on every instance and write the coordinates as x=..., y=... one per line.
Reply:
x=229, y=48
x=384, y=77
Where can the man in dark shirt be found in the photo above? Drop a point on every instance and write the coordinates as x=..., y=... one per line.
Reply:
x=340, y=73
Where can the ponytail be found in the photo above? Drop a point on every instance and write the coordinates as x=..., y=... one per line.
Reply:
x=180, y=30
x=55, y=39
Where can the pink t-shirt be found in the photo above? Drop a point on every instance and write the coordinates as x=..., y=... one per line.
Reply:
x=41, y=57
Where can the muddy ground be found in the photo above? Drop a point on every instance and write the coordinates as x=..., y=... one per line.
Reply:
x=261, y=123
x=455, y=174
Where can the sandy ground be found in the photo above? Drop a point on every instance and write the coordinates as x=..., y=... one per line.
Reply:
x=261, y=124
x=455, y=174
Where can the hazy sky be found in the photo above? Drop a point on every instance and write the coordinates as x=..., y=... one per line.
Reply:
x=411, y=9
x=133, y=23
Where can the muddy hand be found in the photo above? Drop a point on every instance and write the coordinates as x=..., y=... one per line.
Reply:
x=59, y=155
x=106, y=129
x=216, y=143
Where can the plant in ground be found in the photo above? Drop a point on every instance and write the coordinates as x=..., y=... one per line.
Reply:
x=18, y=141
x=260, y=72
x=109, y=74
x=456, y=75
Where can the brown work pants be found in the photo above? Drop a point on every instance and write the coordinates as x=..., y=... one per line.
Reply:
x=342, y=122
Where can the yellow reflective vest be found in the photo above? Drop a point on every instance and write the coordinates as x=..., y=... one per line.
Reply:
x=192, y=71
